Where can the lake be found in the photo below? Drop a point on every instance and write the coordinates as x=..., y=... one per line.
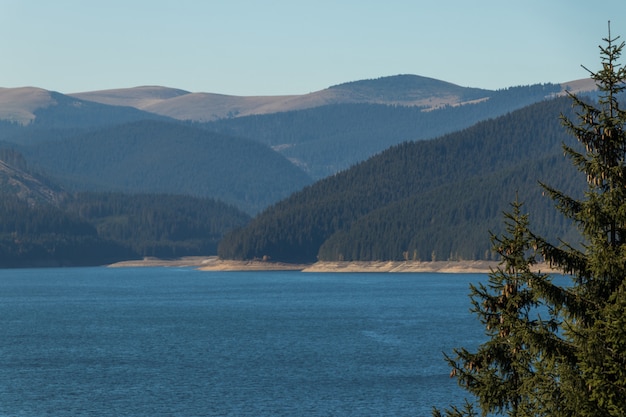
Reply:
x=181, y=342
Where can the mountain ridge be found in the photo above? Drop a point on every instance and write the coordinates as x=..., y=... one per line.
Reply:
x=319, y=141
x=205, y=107
x=20, y=104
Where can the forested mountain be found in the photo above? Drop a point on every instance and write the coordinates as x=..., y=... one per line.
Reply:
x=87, y=182
x=34, y=231
x=43, y=225
x=114, y=145
x=44, y=235
x=168, y=157
x=158, y=225
x=327, y=139
x=15, y=180
x=101, y=228
x=420, y=200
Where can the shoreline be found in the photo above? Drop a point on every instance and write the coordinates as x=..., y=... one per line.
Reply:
x=213, y=263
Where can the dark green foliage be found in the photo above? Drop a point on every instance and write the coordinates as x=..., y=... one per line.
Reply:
x=419, y=197
x=101, y=228
x=43, y=235
x=331, y=138
x=569, y=357
x=168, y=157
x=510, y=373
x=158, y=225
x=42, y=225
x=448, y=222
x=594, y=307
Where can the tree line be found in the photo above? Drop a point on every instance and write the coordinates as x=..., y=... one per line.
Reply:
x=160, y=225
x=102, y=228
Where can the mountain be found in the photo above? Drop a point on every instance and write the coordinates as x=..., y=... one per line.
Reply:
x=165, y=157
x=405, y=90
x=16, y=181
x=157, y=225
x=35, y=232
x=327, y=139
x=421, y=200
x=321, y=133
x=19, y=104
x=123, y=161
x=30, y=106
x=44, y=225
x=400, y=90
x=250, y=161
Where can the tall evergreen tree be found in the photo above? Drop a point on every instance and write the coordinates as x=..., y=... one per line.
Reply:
x=509, y=374
x=597, y=307
x=573, y=364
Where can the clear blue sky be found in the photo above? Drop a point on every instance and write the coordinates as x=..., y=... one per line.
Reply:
x=273, y=47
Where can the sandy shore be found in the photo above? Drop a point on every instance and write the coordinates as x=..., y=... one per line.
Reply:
x=209, y=263
x=409, y=266
x=187, y=261
x=212, y=263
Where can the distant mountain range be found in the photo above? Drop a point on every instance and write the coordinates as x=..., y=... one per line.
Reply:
x=255, y=151
x=244, y=154
x=400, y=90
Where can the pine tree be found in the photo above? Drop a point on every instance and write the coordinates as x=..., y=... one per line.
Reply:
x=573, y=363
x=510, y=366
x=594, y=307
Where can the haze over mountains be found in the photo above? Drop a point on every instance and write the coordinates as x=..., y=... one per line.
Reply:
x=290, y=148
x=245, y=153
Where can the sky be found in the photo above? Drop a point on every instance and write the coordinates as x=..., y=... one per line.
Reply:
x=281, y=47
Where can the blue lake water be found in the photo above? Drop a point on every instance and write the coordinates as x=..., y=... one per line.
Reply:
x=180, y=342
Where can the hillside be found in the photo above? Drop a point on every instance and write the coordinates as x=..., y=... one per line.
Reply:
x=157, y=225
x=331, y=138
x=249, y=161
x=30, y=106
x=422, y=200
x=43, y=225
x=35, y=232
x=15, y=180
x=165, y=157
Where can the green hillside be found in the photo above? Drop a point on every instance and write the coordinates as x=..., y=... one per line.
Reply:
x=168, y=157
x=421, y=197
x=158, y=225
x=328, y=139
x=44, y=235
x=102, y=228
x=43, y=225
